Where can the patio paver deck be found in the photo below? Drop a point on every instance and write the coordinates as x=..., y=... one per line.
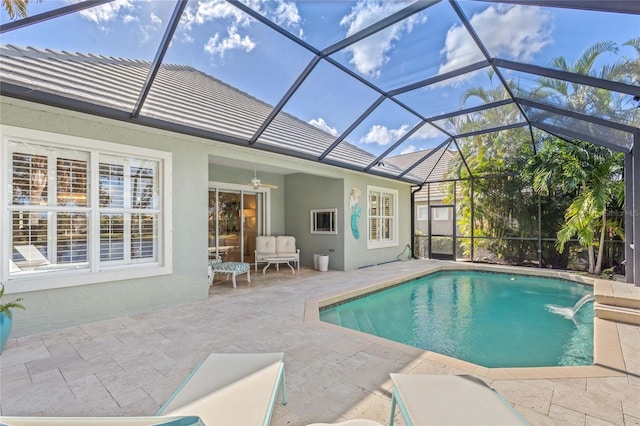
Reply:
x=130, y=365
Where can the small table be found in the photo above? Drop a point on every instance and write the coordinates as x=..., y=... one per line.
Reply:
x=277, y=261
x=221, y=250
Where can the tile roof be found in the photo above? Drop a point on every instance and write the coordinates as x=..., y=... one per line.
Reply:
x=181, y=95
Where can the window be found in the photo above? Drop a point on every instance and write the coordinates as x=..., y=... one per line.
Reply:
x=75, y=209
x=324, y=221
x=440, y=213
x=423, y=213
x=382, y=217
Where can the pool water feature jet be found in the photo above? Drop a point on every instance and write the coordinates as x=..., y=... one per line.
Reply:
x=570, y=313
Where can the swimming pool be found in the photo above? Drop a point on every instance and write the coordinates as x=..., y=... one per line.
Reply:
x=490, y=319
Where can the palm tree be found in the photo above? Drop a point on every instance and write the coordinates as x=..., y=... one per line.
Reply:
x=591, y=172
x=506, y=152
x=16, y=8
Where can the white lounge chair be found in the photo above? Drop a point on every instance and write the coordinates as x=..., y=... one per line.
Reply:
x=13, y=268
x=352, y=422
x=102, y=421
x=224, y=390
x=446, y=400
x=231, y=390
x=32, y=257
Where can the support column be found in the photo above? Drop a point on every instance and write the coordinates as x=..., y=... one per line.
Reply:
x=628, y=216
x=472, y=219
x=539, y=230
x=635, y=211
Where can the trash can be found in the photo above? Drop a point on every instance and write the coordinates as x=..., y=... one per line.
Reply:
x=323, y=262
x=315, y=260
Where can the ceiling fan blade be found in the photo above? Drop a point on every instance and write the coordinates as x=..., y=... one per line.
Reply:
x=257, y=183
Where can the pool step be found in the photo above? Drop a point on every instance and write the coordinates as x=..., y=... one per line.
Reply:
x=364, y=322
x=348, y=320
x=358, y=320
x=617, y=301
x=617, y=313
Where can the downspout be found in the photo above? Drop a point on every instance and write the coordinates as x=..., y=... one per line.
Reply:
x=413, y=220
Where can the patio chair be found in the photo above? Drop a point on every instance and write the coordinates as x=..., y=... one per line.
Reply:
x=286, y=248
x=449, y=400
x=232, y=269
x=265, y=249
x=231, y=389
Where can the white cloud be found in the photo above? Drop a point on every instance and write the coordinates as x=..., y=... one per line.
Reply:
x=408, y=150
x=369, y=55
x=130, y=18
x=155, y=20
x=382, y=135
x=106, y=12
x=218, y=9
x=516, y=32
x=427, y=131
x=287, y=14
x=322, y=125
x=124, y=10
x=149, y=30
x=284, y=13
x=218, y=45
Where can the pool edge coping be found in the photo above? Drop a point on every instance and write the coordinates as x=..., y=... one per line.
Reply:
x=607, y=348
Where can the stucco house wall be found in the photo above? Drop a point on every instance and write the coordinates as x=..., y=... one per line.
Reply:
x=305, y=192
x=315, y=186
x=357, y=255
x=62, y=307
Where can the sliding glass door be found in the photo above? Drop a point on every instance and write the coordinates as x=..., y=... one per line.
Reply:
x=236, y=217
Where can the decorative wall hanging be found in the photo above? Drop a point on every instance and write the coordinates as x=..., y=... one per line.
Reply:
x=354, y=205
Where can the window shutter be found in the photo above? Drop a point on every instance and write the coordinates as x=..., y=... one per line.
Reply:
x=71, y=178
x=111, y=183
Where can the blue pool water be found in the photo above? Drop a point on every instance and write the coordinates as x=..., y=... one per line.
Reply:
x=490, y=319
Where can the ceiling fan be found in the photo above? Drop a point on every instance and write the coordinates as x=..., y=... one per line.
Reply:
x=257, y=183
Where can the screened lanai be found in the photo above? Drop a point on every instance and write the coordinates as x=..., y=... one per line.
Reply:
x=382, y=88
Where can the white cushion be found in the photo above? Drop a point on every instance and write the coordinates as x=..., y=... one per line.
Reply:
x=229, y=267
x=285, y=245
x=266, y=245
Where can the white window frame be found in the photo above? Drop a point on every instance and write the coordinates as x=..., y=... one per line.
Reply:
x=422, y=213
x=441, y=213
x=393, y=241
x=316, y=214
x=97, y=272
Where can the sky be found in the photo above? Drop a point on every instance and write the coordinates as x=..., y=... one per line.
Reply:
x=222, y=41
